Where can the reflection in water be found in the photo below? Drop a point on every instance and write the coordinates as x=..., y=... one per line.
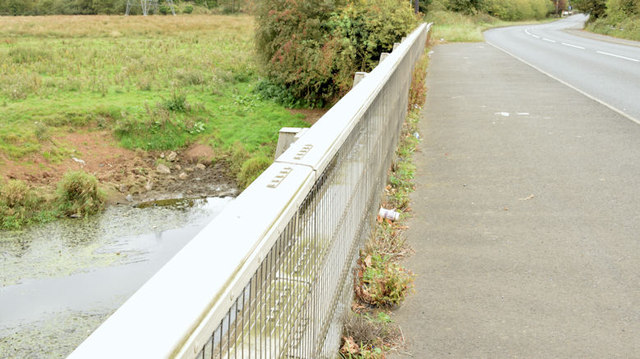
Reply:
x=65, y=278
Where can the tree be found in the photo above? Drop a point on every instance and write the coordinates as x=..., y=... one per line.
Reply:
x=311, y=48
x=621, y=9
x=596, y=8
x=464, y=6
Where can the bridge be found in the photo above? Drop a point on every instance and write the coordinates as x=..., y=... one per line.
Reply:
x=271, y=276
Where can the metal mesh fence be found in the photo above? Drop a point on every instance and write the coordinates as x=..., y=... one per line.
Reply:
x=292, y=305
x=271, y=276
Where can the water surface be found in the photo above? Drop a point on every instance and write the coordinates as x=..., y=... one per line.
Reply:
x=59, y=281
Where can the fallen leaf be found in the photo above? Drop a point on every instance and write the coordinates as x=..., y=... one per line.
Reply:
x=367, y=260
x=350, y=346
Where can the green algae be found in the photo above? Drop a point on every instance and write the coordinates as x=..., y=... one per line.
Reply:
x=70, y=246
x=53, y=337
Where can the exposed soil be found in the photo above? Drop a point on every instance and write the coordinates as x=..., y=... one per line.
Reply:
x=127, y=176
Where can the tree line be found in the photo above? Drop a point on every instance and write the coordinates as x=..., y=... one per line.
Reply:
x=616, y=10
x=84, y=7
x=510, y=10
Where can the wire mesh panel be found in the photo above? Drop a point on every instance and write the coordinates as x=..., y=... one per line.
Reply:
x=271, y=276
x=293, y=304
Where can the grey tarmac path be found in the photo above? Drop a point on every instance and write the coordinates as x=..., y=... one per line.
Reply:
x=526, y=224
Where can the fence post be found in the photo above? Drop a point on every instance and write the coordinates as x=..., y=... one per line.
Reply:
x=286, y=137
x=358, y=77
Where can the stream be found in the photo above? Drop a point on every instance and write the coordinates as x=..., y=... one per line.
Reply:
x=60, y=281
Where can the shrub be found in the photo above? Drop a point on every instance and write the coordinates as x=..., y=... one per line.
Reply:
x=371, y=30
x=314, y=47
x=464, y=6
x=78, y=194
x=596, y=8
x=278, y=93
x=188, y=9
x=514, y=10
x=618, y=10
x=164, y=9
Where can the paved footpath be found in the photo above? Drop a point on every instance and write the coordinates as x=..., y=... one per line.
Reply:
x=527, y=217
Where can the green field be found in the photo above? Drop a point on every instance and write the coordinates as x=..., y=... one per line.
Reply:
x=156, y=83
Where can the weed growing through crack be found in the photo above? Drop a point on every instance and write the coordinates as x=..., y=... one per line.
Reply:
x=382, y=282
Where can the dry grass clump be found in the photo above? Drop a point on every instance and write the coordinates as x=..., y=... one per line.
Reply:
x=20, y=204
x=79, y=195
x=368, y=335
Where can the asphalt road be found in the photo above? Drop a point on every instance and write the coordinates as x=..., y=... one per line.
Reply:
x=608, y=71
x=526, y=216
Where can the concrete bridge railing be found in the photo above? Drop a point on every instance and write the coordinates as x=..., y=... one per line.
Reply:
x=271, y=276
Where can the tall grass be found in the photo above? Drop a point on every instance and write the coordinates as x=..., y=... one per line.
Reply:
x=159, y=82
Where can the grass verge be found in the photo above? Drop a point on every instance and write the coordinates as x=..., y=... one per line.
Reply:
x=457, y=27
x=381, y=281
x=627, y=28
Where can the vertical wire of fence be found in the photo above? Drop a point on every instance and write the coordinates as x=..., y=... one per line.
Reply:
x=286, y=290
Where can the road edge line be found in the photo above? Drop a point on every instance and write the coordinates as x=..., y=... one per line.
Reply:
x=620, y=112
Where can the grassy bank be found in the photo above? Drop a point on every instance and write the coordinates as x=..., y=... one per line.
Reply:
x=627, y=28
x=156, y=83
x=457, y=27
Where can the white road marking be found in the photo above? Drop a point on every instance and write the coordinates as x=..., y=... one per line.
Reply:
x=618, y=56
x=530, y=34
x=624, y=114
x=548, y=40
x=574, y=46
